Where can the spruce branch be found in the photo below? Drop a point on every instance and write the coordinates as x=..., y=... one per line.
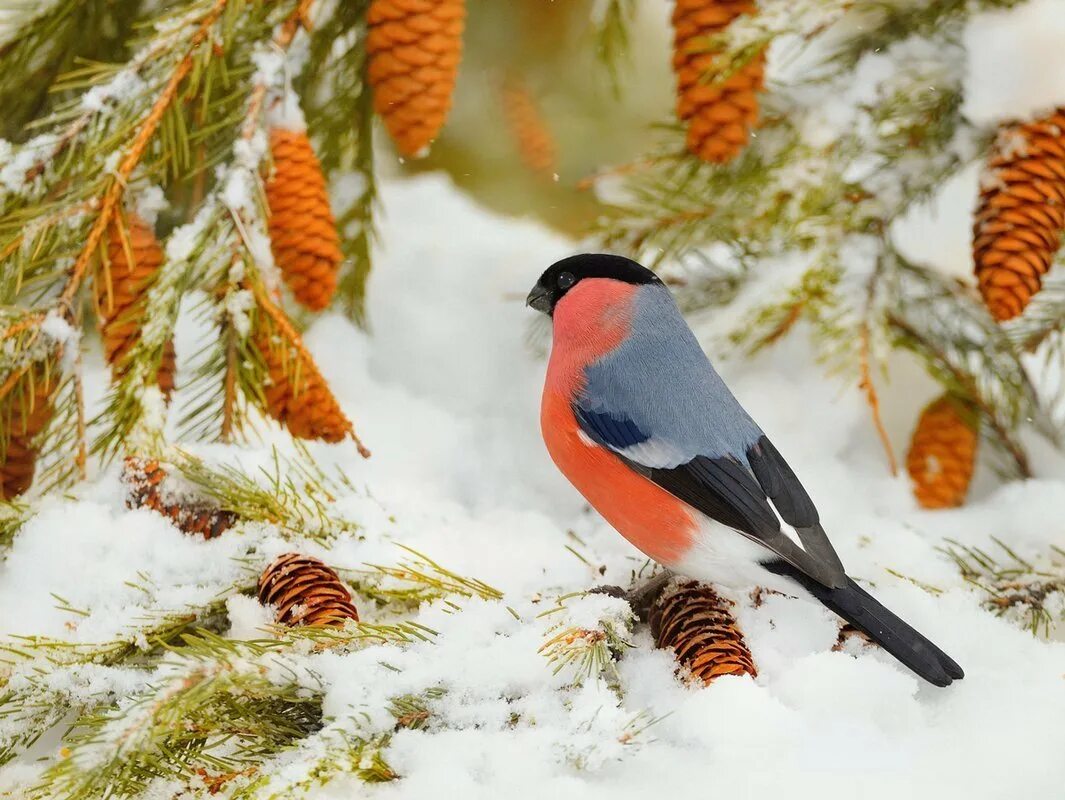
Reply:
x=611, y=29
x=132, y=157
x=220, y=706
x=1018, y=588
x=422, y=571
x=292, y=493
x=585, y=651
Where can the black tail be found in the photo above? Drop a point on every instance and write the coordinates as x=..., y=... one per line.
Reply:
x=868, y=615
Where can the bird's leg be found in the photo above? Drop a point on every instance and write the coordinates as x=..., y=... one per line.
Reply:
x=642, y=597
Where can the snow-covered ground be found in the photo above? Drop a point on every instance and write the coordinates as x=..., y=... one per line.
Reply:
x=446, y=393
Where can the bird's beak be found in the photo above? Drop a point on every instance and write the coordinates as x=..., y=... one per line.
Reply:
x=540, y=299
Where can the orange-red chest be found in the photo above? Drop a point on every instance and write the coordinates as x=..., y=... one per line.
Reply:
x=590, y=322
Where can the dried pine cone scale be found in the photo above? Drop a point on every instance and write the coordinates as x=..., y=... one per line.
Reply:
x=697, y=624
x=305, y=591
x=1021, y=214
x=942, y=453
x=303, y=235
x=414, y=49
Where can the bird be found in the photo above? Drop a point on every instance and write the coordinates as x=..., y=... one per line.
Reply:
x=636, y=417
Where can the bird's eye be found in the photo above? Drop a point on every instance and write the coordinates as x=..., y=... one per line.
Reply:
x=566, y=280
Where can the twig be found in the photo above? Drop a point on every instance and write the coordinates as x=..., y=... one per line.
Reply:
x=865, y=380
x=1016, y=452
x=230, y=385
x=299, y=15
x=79, y=403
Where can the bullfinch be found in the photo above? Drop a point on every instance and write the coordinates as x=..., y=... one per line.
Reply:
x=638, y=420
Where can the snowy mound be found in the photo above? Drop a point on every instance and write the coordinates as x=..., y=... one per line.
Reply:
x=446, y=394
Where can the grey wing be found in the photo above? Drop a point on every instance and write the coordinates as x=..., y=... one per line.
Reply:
x=659, y=405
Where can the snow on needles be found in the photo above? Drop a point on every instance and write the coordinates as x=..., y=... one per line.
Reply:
x=446, y=392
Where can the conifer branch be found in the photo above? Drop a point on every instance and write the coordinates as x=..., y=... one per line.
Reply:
x=587, y=652
x=1029, y=590
x=148, y=126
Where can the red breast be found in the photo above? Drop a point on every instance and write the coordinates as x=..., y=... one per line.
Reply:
x=589, y=322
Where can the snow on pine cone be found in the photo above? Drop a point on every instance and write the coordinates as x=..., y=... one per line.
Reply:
x=305, y=591
x=121, y=294
x=24, y=417
x=1021, y=213
x=719, y=114
x=528, y=128
x=303, y=233
x=414, y=49
x=144, y=479
x=943, y=453
x=693, y=620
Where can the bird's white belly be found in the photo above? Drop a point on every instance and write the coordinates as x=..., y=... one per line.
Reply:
x=726, y=558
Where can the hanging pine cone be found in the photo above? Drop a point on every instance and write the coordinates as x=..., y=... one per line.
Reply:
x=296, y=394
x=305, y=592
x=24, y=418
x=693, y=620
x=1021, y=214
x=414, y=47
x=528, y=129
x=720, y=114
x=303, y=232
x=144, y=483
x=120, y=296
x=943, y=453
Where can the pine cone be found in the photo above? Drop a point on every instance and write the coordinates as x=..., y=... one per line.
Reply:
x=414, y=47
x=305, y=592
x=720, y=115
x=296, y=394
x=303, y=232
x=120, y=297
x=527, y=126
x=943, y=453
x=24, y=418
x=693, y=620
x=144, y=481
x=1021, y=214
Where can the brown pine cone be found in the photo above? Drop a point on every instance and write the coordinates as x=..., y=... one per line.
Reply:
x=1021, y=213
x=414, y=47
x=24, y=417
x=305, y=592
x=303, y=232
x=943, y=453
x=121, y=294
x=720, y=114
x=295, y=392
x=528, y=129
x=693, y=620
x=144, y=482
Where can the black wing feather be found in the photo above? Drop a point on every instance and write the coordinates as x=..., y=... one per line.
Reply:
x=779, y=482
x=791, y=500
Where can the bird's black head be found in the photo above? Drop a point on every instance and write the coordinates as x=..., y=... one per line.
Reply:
x=563, y=275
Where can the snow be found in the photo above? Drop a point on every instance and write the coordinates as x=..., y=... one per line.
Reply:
x=459, y=474
x=446, y=393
